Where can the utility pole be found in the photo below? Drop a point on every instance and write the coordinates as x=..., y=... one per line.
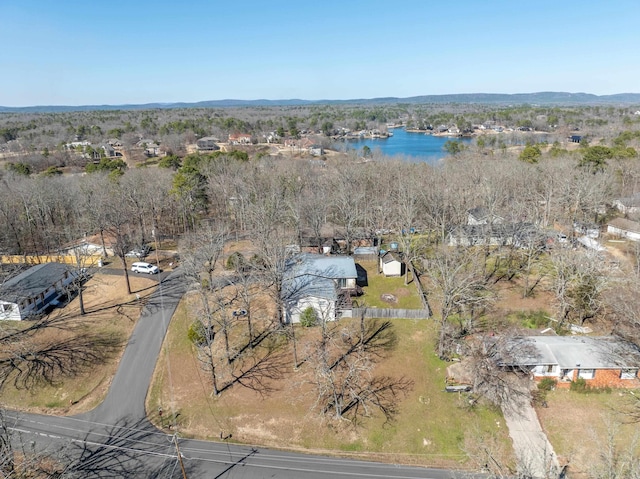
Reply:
x=175, y=440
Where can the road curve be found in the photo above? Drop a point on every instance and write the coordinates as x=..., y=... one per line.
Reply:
x=115, y=440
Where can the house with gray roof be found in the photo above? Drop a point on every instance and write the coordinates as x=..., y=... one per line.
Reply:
x=604, y=361
x=207, y=143
x=32, y=291
x=624, y=228
x=629, y=205
x=324, y=283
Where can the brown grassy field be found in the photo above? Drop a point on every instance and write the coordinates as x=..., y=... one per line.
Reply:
x=430, y=428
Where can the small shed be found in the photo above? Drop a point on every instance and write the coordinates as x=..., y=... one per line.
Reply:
x=391, y=264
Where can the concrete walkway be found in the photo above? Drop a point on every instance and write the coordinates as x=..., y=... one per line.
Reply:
x=534, y=451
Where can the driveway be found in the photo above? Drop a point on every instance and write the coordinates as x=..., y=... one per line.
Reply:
x=535, y=454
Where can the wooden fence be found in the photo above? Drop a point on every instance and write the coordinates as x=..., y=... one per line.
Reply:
x=87, y=261
x=390, y=313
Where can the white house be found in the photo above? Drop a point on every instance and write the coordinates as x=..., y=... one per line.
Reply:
x=391, y=264
x=624, y=228
x=31, y=291
x=324, y=283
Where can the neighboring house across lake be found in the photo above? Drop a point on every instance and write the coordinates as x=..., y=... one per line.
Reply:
x=208, y=143
x=324, y=283
x=601, y=361
x=32, y=291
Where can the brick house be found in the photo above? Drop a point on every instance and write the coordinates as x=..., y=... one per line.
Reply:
x=603, y=361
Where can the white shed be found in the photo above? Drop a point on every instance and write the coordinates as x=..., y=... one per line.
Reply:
x=391, y=264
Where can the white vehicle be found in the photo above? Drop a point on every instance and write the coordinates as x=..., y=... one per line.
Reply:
x=141, y=267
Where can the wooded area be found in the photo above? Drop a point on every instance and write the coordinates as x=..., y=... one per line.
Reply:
x=538, y=197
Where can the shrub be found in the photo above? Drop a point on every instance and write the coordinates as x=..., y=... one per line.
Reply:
x=547, y=384
x=533, y=319
x=308, y=317
x=580, y=386
x=235, y=262
x=197, y=333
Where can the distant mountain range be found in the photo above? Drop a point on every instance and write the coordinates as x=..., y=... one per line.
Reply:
x=540, y=98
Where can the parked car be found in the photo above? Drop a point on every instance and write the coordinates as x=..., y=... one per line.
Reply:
x=142, y=267
x=139, y=252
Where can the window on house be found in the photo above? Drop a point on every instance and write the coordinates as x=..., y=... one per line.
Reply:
x=629, y=373
x=551, y=368
x=586, y=373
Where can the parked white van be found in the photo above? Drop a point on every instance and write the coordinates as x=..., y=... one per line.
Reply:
x=142, y=267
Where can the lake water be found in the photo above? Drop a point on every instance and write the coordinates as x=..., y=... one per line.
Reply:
x=412, y=147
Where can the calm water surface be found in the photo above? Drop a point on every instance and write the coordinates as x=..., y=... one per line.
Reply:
x=411, y=147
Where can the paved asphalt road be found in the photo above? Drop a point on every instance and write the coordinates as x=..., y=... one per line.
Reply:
x=115, y=440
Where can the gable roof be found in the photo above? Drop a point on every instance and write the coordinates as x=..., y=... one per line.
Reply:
x=313, y=275
x=391, y=256
x=33, y=281
x=625, y=224
x=570, y=352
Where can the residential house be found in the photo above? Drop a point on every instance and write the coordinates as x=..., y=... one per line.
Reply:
x=32, y=291
x=324, y=283
x=624, y=228
x=240, y=139
x=207, y=143
x=601, y=361
x=391, y=264
x=109, y=151
x=629, y=205
x=151, y=148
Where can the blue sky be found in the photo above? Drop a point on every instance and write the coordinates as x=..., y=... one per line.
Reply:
x=71, y=52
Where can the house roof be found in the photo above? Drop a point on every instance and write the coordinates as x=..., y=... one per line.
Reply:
x=569, y=352
x=625, y=224
x=313, y=275
x=32, y=281
x=391, y=256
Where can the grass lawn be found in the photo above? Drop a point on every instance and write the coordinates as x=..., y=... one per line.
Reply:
x=578, y=425
x=430, y=428
x=378, y=284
